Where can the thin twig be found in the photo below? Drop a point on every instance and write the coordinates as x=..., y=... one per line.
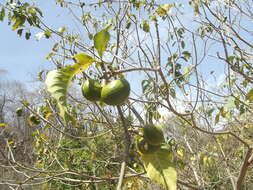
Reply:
x=121, y=176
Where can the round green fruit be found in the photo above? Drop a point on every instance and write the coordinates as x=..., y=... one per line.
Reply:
x=153, y=134
x=145, y=148
x=33, y=119
x=91, y=90
x=19, y=112
x=115, y=92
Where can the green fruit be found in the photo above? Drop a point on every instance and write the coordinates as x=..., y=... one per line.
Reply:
x=153, y=134
x=33, y=119
x=115, y=92
x=19, y=112
x=145, y=148
x=91, y=90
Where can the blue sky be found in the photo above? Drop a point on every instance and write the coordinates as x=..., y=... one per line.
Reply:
x=24, y=58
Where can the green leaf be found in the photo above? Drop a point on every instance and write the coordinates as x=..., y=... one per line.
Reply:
x=210, y=111
x=58, y=82
x=38, y=11
x=47, y=33
x=145, y=26
x=128, y=25
x=217, y=118
x=2, y=14
x=196, y=9
x=183, y=44
x=90, y=36
x=249, y=95
x=19, y=21
x=160, y=168
x=19, y=32
x=28, y=35
x=101, y=40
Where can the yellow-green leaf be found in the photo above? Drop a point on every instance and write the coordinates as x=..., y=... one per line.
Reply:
x=217, y=118
x=58, y=82
x=160, y=168
x=47, y=33
x=249, y=95
x=3, y=125
x=101, y=40
x=163, y=9
x=83, y=62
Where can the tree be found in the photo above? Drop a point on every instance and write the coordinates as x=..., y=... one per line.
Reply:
x=192, y=66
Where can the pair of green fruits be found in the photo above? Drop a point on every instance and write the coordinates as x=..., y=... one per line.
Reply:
x=152, y=139
x=115, y=92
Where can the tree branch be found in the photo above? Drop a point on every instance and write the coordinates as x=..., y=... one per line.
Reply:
x=244, y=169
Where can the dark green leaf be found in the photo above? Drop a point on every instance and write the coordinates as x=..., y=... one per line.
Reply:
x=38, y=11
x=90, y=36
x=2, y=14
x=19, y=32
x=28, y=35
x=183, y=44
x=128, y=25
x=242, y=109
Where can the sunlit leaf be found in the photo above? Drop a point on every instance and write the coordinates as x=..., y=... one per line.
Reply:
x=160, y=168
x=61, y=30
x=39, y=35
x=164, y=9
x=58, y=82
x=180, y=153
x=101, y=40
x=47, y=115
